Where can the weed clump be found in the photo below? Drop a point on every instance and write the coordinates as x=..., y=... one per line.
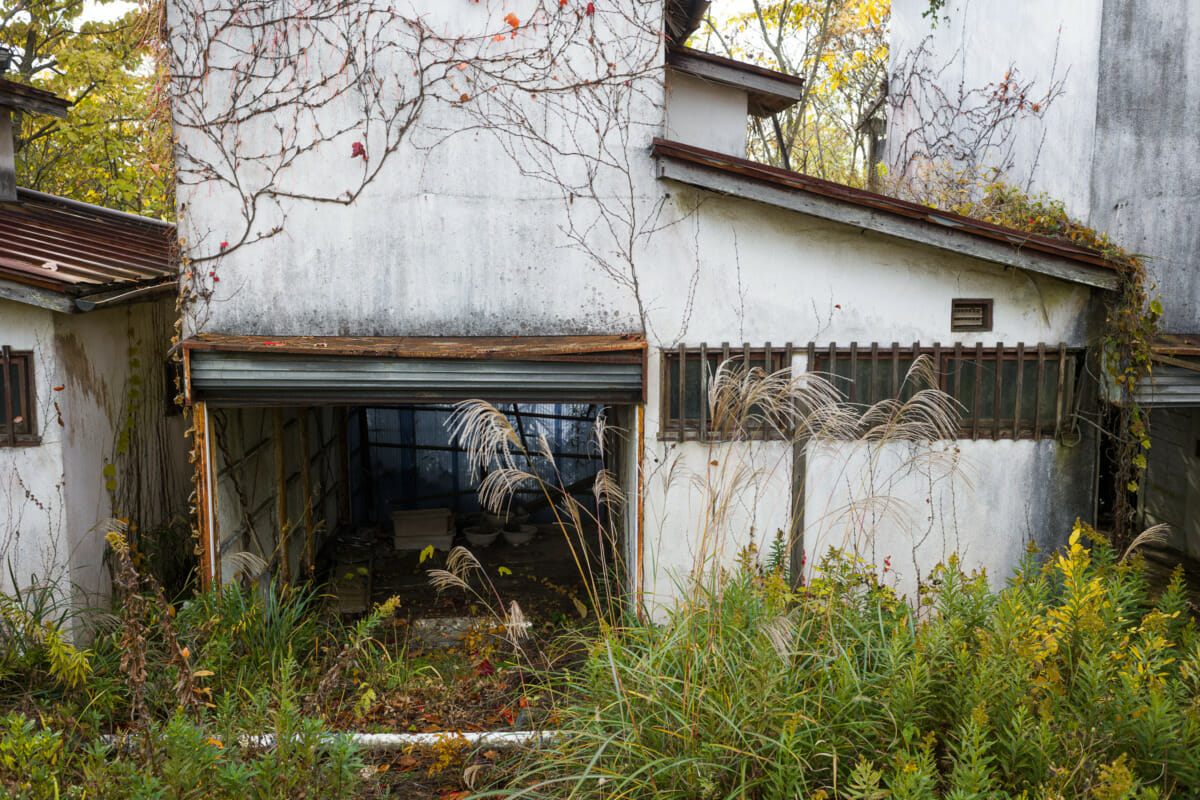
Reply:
x=1066, y=683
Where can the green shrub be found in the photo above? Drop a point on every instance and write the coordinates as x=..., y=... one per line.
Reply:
x=1067, y=683
x=29, y=759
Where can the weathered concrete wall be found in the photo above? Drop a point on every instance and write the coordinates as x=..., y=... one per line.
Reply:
x=1118, y=145
x=33, y=524
x=1143, y=173
x=976, y=47
x=451, y=238
x=758, y=274
x=113, y=407
x=54, y=495
x=706, y=114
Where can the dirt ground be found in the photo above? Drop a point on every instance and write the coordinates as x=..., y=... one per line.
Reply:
x=466, y=675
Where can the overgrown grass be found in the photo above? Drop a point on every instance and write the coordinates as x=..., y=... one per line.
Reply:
x=1068, y=683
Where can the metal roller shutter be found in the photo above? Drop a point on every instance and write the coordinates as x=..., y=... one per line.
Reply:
x=298, y=373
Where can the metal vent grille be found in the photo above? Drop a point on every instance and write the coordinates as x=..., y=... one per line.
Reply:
x=970, y=315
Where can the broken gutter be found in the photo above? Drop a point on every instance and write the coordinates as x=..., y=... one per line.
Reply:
x=85, y=304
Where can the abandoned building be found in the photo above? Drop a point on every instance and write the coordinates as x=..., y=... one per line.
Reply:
x=87, y=299
x=577, y=244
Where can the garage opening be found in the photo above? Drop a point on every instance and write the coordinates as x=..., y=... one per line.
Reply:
x=344, y=468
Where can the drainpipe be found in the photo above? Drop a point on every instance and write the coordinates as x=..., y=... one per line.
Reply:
x=8, y=159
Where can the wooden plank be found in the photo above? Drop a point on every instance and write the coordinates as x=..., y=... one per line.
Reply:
x=937, y=367
x=997, y=391
x=871, y=398
x=896, y=370
x=1016, y=431
x=1176, y=362
x=682, y=390
x=206, y=497
x=1037, y=392
x=10, y=392
x=747, y=77
x=310, y=533
x=37, y=296
x=978, y=390
x=854, y=371
x=282, y=551
x=1058, y=398
x=702, y=424
x=832, y=366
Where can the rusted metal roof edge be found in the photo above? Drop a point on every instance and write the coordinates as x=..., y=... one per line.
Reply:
x=1176, y=344
x=533, y=348
x=770, y=91
x=35, y=197
x=43, y=279
x=794, y=191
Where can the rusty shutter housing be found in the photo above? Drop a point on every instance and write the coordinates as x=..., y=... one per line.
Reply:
x=297, y=372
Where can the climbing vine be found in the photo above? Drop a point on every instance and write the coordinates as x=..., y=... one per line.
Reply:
x=1130, y=324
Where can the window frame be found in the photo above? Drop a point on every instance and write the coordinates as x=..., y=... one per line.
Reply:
x=24, y=392
x=1065, y=384
x=699, y=427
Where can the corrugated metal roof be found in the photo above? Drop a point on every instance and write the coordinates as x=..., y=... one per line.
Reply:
x=78, y=248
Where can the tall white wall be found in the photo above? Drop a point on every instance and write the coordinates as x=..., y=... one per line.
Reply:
x=977, y=45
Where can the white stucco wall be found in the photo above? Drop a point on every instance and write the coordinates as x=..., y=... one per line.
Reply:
x=977, y=45
x=706, y=114
x=33, y=520
x=757, y=274
x=85, y=363
x=113, y=363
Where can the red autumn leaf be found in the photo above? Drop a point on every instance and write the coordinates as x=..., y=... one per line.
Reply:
x=464, y=97
x=357, y=150
x=224, y=245
x=485, y=668
x=59, y=388
x=512, y=19
x=591, y=9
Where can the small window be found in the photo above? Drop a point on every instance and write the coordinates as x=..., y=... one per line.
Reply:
x=1022, y=392
x=18, y=423
x=687, y=373
x=970, y=315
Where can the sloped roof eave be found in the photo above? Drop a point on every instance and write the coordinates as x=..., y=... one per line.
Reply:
x=750, y=180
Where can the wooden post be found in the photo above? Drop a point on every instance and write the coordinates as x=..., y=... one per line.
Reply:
x=310, y=534
x=281, y=538
x=206, y=497
x=341, y=421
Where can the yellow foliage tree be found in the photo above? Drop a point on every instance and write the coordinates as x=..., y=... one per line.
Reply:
x=839, y=47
